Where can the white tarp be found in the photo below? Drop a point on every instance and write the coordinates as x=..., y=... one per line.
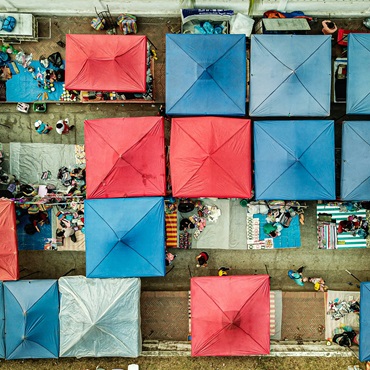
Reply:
x=28, y=161
x=99, y=317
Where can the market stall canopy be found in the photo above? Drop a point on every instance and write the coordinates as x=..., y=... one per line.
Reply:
x=358, y=77
x=294, y=160
x=31, y=319
x=99, y=317
x=355, y=173
x=206, y=74
x=125, y=237
x=9, y=269
x=106, y=63
x=364, y=322
x=125, y=157
x=290, y=75
x=2, y=322
x=211, y=157
x=230, y=315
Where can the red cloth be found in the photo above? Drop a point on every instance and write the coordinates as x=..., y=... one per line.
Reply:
x=106, y=63
x=230, y=316
x=9, y=269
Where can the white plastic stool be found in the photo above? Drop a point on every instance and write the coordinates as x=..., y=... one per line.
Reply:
x=133, y=367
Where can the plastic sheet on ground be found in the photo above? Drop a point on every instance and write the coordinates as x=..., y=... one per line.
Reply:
x=28, y=161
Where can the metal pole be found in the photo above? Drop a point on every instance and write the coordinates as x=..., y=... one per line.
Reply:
x=348, y=272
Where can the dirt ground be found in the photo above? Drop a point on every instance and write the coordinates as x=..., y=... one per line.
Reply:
x=187, y=363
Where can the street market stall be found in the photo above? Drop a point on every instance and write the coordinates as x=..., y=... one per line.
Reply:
x=99, y=317
x=9, y=269
x=364, y=322
x=294, y=160
x=125, y=157
x=125, y=237
x=34, y=306
x=211, y=157
x=120, y=65
x=358, y=79
x=355, y=173
x=290, y=75
x=230, y=315
x=213, y=74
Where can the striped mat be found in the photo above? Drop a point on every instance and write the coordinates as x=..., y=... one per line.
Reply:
x=171, y=230
x=344, y=240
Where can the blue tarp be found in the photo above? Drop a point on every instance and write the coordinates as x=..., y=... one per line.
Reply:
x=358, y=76
x=364, y=322
x=290, y=75
x=2, y=321
x=294, y=160
x=125, y=237
x=31, y=319
x=35, y=241
x=355, y=173
x=206, y=75
x=290, y=237
x=23, y=87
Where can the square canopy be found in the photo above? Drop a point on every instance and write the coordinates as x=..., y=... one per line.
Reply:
x=125, y=157
x=31, y=319
x=9, y=269
x=364, y=322
x=290, y=75
x=294, y=160
x=358, y=77
x=125, y=237
x=99, y=317
x=206, y=75
x=106, y=63
x=230, y=315
x=355, y=173
x=211, y=157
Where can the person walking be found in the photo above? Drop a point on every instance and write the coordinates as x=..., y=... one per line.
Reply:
x=202, y=259
x=42, y=128
x=62, y=127
x=297, y=276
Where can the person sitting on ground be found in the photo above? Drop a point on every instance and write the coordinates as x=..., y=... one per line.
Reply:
x=36, y=219
x=202, y=259
x=271, y=230
x=319, y=284
x=222, y=271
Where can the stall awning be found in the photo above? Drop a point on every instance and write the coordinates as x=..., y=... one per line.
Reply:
x=125, y=157
x=355, y=173
x=106, y=62
x=125, y=237
x=290, y=75
x=9, y=269
x=294, y=160
x=211, y=157
x=206, y=75
x=230, y=315
x=358, y=77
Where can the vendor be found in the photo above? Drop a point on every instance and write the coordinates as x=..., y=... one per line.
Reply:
x=271, y=230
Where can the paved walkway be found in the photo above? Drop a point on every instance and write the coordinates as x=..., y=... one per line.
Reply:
x=164, y=316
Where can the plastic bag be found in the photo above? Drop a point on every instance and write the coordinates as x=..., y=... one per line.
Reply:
x=23, y=59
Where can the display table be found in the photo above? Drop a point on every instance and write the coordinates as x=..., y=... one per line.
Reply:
x=24, y=30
